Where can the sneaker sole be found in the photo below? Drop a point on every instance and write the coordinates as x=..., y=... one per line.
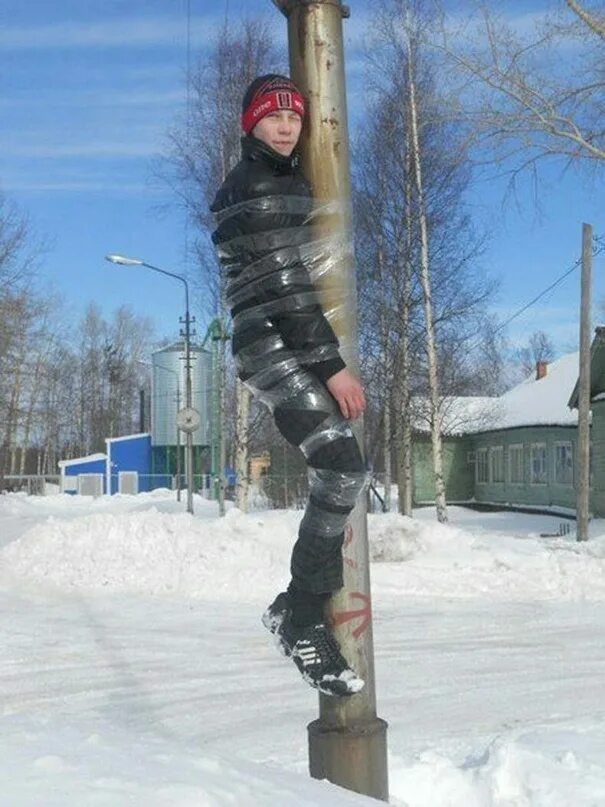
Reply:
x=336, y=688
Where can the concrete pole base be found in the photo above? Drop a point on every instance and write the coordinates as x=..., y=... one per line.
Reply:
x=353, y=757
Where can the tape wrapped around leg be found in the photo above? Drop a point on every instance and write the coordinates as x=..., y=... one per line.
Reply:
x=274, y=254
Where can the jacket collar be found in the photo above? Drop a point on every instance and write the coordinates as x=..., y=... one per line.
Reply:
x=254, y=149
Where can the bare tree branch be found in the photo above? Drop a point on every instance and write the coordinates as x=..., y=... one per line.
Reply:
x=595, y=24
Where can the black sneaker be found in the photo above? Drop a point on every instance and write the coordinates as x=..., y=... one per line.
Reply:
x=317, y=655
x=273, y=619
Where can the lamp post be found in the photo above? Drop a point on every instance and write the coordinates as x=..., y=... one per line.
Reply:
x=218, y=334
x=178, y=431
x=188, y=418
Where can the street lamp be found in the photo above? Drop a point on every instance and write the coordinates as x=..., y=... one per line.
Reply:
x=188, y=418
x=178, y=431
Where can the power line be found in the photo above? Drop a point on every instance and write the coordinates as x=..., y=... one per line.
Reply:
x=596, y=250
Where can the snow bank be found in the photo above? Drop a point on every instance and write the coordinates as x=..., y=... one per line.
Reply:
x=109, y=768
x=237, y=557
x=426, y=558
x=100, y=764
x=148, y=545
x=540, y=769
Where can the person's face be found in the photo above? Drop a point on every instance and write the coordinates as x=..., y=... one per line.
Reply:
x=280, y=130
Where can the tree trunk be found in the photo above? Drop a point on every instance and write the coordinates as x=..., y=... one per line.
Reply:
x=222, y=402
x=384, y=339
x=388, y=472
x=23, y=452
x=241, y=446
x=407, y=461
x=13, y=419
x=28, y=422
x=426, y=291
x=402, y=389
x=403, y=430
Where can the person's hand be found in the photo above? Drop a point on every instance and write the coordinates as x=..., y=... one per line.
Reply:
x=348, y=392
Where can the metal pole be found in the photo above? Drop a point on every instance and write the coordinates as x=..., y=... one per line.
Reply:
x=188, y=393
x=221, y=420
x=141, y=410
x=178, y=446
x=219, y=335
x=348, y=744
x=188, y=402
x=583, y=489
x=215, y=459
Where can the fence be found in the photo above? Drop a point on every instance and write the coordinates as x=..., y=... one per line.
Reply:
x=290, y=491
x=273, y=491
x=33, y=485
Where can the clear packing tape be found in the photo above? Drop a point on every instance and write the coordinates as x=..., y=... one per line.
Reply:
x=273, y=272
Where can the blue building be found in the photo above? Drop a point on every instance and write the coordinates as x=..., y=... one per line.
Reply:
x=128, y=467
x=84, y=475
x=136, y=463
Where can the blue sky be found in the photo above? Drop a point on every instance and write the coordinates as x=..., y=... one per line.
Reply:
x=87, y=93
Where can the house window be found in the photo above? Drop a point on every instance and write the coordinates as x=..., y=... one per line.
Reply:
x=563, y=464
x=481, y=465
x=538, y=464
x=496, y=464
x=515, y=463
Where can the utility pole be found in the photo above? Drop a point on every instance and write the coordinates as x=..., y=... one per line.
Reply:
x=188, y=419
x=583, y=489
x=193, y=424
x=348, y=744
x=218, y=334
x=178, y=446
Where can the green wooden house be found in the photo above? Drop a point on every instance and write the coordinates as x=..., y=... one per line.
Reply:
x=519, y=449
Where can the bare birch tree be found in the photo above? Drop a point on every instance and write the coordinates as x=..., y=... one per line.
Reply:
x=532, y=95
x=425, y=276
x=539, y=347
x=393, y=333
x=18, y=254
x=203, y=151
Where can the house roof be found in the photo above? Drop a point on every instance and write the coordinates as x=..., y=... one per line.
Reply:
x=137, y=436
x=459, y=415
x=542, y=402
x=82, y=460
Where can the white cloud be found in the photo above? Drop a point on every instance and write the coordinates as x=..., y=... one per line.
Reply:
x=102, y=98
x=119, y=32
x=93, y=148
x=78, y=187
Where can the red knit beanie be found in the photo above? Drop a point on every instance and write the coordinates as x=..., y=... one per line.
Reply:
x=268, y=94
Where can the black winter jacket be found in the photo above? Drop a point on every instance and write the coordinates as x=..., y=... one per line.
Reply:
x=262, y=240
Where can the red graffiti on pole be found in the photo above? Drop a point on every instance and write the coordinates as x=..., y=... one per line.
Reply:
x=364, y=614
x=348, y=540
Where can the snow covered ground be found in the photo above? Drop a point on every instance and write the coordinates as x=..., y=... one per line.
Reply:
x=135, y=671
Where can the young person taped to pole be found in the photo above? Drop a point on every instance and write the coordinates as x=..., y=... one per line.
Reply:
x=287, y=354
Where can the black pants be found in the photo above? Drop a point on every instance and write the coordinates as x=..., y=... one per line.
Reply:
x=307, y=416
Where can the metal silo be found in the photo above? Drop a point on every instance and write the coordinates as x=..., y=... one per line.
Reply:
x=168, y=376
